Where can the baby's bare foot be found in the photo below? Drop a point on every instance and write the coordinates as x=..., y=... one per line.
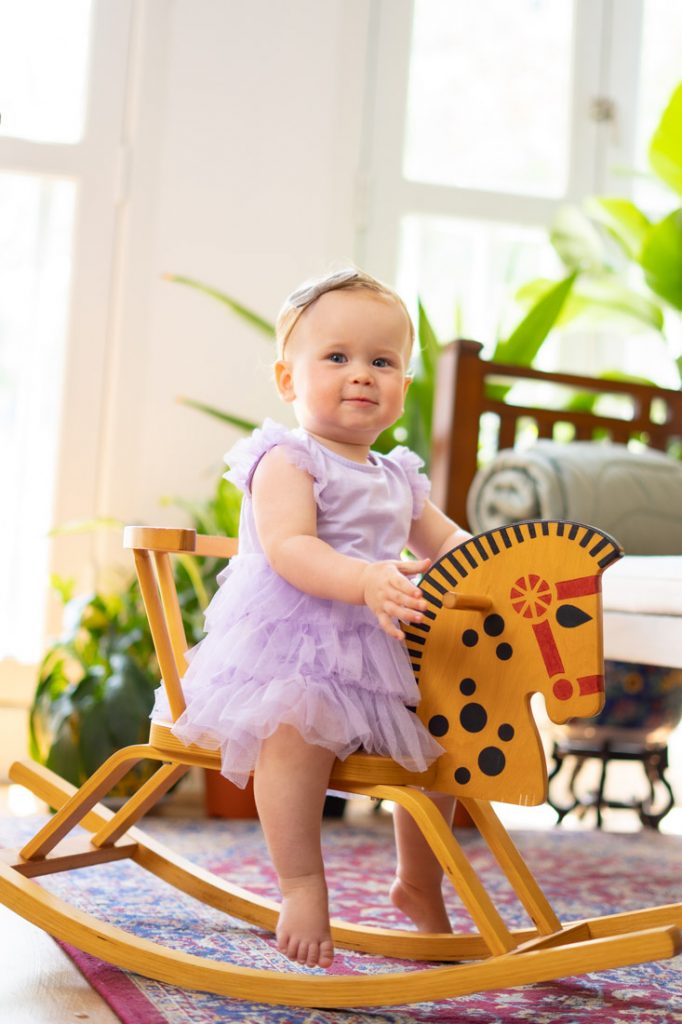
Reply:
x=303, y=932
x=424, y=907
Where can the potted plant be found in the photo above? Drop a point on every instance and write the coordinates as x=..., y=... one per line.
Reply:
x=96, y=682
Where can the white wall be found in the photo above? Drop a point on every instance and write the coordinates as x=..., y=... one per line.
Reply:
x=244, y=130
x=240, y=153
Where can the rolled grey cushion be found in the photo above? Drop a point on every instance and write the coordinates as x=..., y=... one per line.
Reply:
x=635, y=496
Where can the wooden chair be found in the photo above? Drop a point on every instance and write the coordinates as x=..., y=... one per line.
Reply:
x=511, y=612
x=468, y=388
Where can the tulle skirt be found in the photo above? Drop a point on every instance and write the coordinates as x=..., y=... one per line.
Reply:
x=274, y=655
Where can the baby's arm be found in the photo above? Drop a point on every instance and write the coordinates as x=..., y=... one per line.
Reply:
x=286, y=520
x=433, y=534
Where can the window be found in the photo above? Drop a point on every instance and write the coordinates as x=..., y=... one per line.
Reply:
x=62, y=81
x=43, y=72
x=481, y=64
x=486, y=119
x=36, y=229
x=660, y=72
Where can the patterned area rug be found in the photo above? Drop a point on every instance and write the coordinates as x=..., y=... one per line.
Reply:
x=582, y=873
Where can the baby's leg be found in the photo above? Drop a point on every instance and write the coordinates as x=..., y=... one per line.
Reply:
x=417, y=889
x=290, y=784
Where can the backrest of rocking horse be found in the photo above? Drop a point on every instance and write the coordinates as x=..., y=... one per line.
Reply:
x=152, y=547
x=478, y=668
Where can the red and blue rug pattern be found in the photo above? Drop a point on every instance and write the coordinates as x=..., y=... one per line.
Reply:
x=582, y=873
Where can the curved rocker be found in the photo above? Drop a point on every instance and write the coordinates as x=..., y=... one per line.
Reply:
x=512, y=611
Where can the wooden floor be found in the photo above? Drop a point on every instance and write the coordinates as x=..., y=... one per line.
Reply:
x=38, y=982
x=40, y=985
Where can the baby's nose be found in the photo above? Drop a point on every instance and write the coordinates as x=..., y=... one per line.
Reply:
x=361, y=373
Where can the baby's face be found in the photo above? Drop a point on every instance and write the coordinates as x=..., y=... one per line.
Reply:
x=345, y=366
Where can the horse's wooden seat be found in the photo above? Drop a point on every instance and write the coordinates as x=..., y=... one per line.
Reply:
x=512, y=612
x=358, y=768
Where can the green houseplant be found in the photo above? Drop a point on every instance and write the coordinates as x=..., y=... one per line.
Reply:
x=624, y=268
x=96, y=682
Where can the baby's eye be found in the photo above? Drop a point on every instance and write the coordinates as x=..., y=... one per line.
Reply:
x=380, y=361
x=336, y=357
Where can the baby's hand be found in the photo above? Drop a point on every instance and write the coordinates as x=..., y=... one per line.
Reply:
x=390, y=594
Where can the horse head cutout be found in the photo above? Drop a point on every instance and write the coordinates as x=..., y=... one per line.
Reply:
x=512, y=612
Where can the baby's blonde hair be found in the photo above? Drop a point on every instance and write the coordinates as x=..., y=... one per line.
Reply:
x=348, y=279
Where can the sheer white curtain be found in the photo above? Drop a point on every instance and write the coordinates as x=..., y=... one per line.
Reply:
x=62, y=87
x=43, y=83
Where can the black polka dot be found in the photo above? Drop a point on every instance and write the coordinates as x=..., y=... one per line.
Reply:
x=493, y=625
x=469, y=637
x=491, y=761
x=506, y=732
x=438, y=725
x=467, y=687
x=473, y=717
x=462, y=775
x=504, y=651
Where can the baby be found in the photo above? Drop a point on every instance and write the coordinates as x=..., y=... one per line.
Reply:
x=303, y=660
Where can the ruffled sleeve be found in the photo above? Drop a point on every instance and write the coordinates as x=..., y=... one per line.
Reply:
x=245, y=455
x=420, y=485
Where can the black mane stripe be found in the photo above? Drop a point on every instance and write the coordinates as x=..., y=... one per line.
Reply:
x=598, y=547
x=589, y=537
x=612, y=556
x=429, y=578
x=466, y=551
x=446, y=575
x=420, y=625
x=457, y=565
x=479, y=547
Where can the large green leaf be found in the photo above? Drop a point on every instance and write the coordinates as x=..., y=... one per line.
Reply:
x=128, y=699
x=665, y=148
x=576, y=240
x=523, y=344
x=64, y=756
x=264, y=326
x=94, y=743
x=219, y=414
x=596, y=298
x=86, y=526
x=662, y=259
x=622, y=219
x=429, y=346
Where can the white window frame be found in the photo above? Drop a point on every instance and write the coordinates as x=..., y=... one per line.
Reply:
x=98, y=164
x=606, y=65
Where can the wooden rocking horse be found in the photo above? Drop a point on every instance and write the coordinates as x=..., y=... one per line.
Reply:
x=511, y=612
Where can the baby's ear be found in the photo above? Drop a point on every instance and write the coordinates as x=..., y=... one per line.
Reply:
x=284, y=379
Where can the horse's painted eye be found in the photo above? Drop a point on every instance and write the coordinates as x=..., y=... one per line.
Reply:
x=569, y=616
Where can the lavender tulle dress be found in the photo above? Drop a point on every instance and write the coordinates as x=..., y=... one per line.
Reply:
x=273, y=654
